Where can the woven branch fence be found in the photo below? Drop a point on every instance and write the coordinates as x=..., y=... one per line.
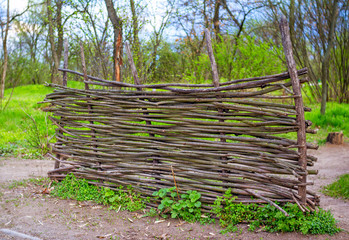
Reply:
x=202, y=137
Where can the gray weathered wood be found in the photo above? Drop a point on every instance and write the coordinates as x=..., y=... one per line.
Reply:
x=301, y=133
x=335, y=138
x=212, y=59
x=249, y=83
x=65, y=64
x=132, y=64
x=83, y=64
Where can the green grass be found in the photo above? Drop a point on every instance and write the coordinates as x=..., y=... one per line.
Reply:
x=336, y=119
x=338, y=189
x=14, y=120
x=42, y=181
x=17, y=130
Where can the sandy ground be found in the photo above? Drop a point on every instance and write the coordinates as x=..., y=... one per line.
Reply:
x=26, y=210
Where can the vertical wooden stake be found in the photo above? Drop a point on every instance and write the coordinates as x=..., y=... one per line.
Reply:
x=87, y=88
x=138, y=82
x=301, y=134
x=84, y=65
x=132, y=64
x=65, y=65
x=215, y=80
x=212, y=59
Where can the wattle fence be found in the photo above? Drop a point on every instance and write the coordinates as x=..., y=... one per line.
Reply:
x=204, y=137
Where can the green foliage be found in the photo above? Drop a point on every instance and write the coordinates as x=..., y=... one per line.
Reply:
x=123, y=199
x=167, y=64
x=252, y=58
x=22, y=71
x=339, y=188
x=321, y=222
x=271, y=219
x=186, y=61
x=186, y=206
x=80, y=189
x=37, y=136
x=152, y=213
x=8, y=149
x=242, y=59
x=230, y=213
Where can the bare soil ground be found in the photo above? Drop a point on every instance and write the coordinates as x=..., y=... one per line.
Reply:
x=26, y=210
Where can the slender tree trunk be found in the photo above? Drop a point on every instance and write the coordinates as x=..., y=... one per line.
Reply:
x=117, y=27
x=59, y=29
x=135, y=28
x=326, y=59
x=54, y=71
x=4, y=44
x=135, y=46
x=217, y=29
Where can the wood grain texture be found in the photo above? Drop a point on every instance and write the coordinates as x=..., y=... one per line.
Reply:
x=301, y=133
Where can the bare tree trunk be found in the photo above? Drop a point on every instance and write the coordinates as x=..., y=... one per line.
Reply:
x=4, y=44
x=136, y=46
x=54, y=71
x=326, y=59
x=117, y=27
x=135, y=29
x=59, y=29
x=217, y=29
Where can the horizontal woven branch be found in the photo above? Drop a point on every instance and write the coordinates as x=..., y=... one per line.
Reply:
x=212, y=139
x=232, y=85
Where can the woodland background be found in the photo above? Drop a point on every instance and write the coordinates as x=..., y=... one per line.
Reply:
x=167, y=40
x=168, y=45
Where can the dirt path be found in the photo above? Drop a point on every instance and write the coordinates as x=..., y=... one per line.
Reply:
x=333, y=161
x=26, y=210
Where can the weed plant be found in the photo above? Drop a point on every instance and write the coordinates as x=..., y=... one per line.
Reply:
x=80, y=190
x=188, y=207
x=338, y=189
x=270, y=219
x=184, y=206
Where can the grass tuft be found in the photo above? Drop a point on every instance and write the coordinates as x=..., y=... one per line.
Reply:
x=338, y=189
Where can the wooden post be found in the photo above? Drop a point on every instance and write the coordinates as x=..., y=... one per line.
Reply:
x=65, y=65
x=138, y=82
x=87, y=88
x=132, y=64
x=84, y=65
x=212, y=59
x=215, y=81
x=301, y=134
